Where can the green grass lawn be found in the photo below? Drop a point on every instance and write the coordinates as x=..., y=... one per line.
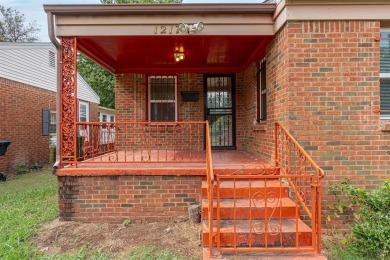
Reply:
x=26, y=202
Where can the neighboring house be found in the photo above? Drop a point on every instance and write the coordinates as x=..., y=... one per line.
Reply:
x=211, y=99
x=28, y=85
x=106, y=114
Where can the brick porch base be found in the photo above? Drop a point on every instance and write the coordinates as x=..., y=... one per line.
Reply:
x=116, y=198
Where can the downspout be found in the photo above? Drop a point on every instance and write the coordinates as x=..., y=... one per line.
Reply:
x=53, y=39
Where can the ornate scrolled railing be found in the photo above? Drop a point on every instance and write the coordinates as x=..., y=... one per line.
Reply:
x=293, y=160
x=140, y=142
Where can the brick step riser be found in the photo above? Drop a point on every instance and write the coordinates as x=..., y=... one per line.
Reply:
x=258, y=240
x=245, y=213
x=242, y=193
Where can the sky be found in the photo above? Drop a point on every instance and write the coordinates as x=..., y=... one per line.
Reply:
x=33, y=9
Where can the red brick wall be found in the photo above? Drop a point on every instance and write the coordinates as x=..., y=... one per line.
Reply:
x=116, y=198
x=257, y=138
x=323, y=84
x=191, y=111
x=130, y=97
x=131, y=106
x=21, y=122
x=334, y=91
x=93, y=112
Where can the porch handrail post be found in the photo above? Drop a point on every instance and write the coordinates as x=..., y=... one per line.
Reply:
x=319, y=206
x=276, y=143
x=210, y=186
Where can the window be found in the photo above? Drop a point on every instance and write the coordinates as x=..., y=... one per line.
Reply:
x=53, y=122
x=104, y=118
x=84, y=117
x=112, y=119
x=45, y=122
x=83, y=111
x=162, y=98
x=261, y=92
x=385, y=73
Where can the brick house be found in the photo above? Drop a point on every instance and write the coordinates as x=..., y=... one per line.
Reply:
x=250, y=110
x=28, y=85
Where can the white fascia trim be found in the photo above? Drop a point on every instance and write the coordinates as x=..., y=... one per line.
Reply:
x=331, y=12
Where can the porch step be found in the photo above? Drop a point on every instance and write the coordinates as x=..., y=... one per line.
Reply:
x=255, y=213
x=257, y=169
x=281, y=233
x=245, y=188
x=255, y=208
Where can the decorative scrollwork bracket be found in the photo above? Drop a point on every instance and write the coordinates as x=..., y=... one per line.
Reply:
x=68, y=102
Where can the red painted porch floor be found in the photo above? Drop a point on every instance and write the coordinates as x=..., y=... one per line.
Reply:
x=227, y=161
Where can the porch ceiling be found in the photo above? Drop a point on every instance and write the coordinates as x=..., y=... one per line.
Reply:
x=142, y=38
x=155, y=54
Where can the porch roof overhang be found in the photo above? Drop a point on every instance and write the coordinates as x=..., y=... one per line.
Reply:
x=143, y=38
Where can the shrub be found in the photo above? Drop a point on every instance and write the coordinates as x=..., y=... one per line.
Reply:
x=21, y=169
x=370, y=231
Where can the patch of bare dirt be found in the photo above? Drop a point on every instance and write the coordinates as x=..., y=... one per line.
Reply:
x=58, y=237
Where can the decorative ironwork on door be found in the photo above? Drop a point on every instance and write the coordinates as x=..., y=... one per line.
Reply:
x=220, y=111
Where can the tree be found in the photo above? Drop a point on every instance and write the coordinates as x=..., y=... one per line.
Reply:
x=14, y=28
x=141, y=1
x=99, y=79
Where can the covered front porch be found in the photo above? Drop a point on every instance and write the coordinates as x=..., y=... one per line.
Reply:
x=191, y=124
x=176, y=66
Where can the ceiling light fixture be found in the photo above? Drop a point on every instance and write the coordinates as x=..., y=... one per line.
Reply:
x=191, y=28
x=179, y=56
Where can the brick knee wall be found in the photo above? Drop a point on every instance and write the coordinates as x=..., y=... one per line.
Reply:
x=116, y=198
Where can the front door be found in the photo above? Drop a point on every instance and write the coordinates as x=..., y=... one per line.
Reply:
x=219, y=108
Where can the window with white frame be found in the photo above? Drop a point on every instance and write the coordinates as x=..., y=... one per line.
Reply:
x=53, y=122
x=162, y=98
x=83, y=111
x=385, y=73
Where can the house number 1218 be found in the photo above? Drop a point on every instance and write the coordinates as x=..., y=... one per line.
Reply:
x=164, y=29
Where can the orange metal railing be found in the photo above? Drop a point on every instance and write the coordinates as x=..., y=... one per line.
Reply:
x=273, y=208
x=268, y=221
x=140, y=142
x=293, y=161
x=210, y=186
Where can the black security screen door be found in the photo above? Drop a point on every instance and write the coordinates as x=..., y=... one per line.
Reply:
x=219, y=109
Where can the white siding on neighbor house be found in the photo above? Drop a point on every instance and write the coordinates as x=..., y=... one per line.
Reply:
x=29, y=63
